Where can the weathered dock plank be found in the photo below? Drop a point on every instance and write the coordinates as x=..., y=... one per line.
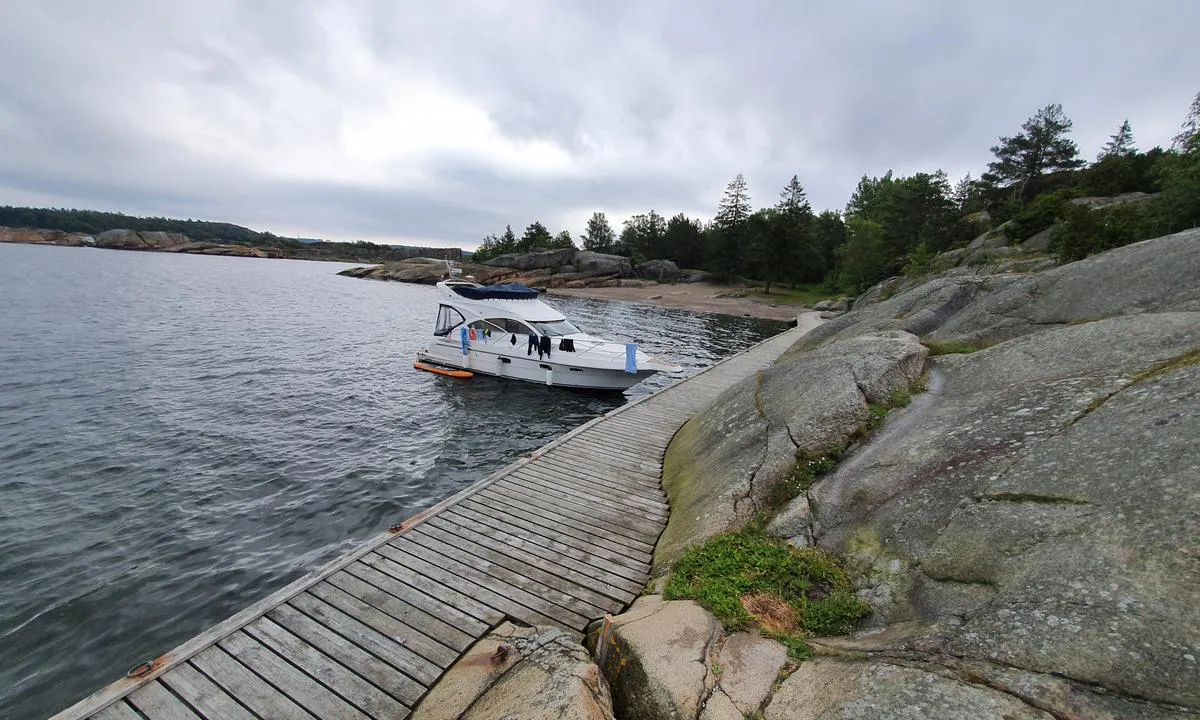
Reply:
x=560, y=537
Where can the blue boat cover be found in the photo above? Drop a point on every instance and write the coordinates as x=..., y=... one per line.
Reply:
x=514, y=291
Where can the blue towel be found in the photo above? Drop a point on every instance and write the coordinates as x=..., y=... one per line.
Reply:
x=465, y=337
x=631, y=358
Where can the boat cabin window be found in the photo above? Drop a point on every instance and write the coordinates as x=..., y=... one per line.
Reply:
x=447, y=319
x=555, y=328
x=504, y=325
x=516, y=326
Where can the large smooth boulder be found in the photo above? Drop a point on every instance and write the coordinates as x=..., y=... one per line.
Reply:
x=1039, y=242
x=1150, y=276
x=1036, y=512
x=658, y=269
x=657, y=658
x=535, y=673
x=1100, y=203
x=1026, y=530
x=832, y=689
x=722, y=467
x=995, y=238
x=545, y=260
x=428, y=271
x=594, y=263
x=124, y=239
x=749, y=664
x=667, y=660
x=40, y=237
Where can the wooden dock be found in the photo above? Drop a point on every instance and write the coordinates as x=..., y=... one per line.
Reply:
x=560, y=537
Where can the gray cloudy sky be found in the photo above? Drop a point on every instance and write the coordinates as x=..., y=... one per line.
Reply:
x=440, y=122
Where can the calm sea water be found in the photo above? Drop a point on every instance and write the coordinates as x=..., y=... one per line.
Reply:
x=180, y=435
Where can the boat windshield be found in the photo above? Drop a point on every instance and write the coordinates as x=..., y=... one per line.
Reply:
x=555, y=328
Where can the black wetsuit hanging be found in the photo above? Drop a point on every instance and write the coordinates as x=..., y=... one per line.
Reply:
x=566, y=345
x=544, y=346
x=533, y=345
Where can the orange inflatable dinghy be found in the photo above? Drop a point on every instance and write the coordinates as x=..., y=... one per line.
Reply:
x=438, y=370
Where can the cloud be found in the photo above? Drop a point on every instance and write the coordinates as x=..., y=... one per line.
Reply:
x=441, y=123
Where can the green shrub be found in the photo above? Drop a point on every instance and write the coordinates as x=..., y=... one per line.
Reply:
x=1040, y=213
x=1085, y=232
x=793, y=592
x=809, y=466
x=921, y=261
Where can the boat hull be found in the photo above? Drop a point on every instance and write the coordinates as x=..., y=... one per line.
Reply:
x=543, y=371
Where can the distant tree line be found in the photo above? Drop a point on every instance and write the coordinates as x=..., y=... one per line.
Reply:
x=92, y=222
x=891, y=224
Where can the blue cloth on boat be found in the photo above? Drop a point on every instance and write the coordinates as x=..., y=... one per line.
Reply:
x=631, y=358
x=465, y=337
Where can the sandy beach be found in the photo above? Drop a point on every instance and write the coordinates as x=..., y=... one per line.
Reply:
x=700, y=297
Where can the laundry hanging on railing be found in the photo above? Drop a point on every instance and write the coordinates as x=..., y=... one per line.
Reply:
x=566, y=345
x=465, y=338
x=631, y=358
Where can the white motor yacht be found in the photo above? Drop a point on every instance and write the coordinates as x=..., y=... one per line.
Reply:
x=506, y=331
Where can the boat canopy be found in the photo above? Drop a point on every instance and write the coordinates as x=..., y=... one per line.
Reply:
x=514, y=291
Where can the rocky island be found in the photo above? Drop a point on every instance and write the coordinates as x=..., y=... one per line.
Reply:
x=1004, y=468
x=175, y=242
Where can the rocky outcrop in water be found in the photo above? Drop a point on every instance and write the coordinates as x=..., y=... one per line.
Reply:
x=550, y=269
x=426, y=271
x=29, y=236
x=550, y=260
x=1025, y=532
x=134, y=240
x=176, y=242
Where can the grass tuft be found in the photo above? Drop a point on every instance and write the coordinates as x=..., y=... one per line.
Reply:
x=954, y=347
x=747, y=579
x=809, y=466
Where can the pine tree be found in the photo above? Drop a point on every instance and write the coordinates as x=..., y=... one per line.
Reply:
x=536, y=238
x=963, y=190
x=685, y=238
x=730, y=226
x=793, y=200
x=1189, y=130
x=1119, y=145
x=1042, y=147
x=562, y=241
x=508, y=241
x=791, y=236
x=599, y=236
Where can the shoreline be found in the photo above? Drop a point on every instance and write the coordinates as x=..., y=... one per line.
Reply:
x=178, y=251
x=694, y=297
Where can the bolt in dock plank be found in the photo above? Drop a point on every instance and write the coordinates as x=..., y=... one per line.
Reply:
x=559, y=537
